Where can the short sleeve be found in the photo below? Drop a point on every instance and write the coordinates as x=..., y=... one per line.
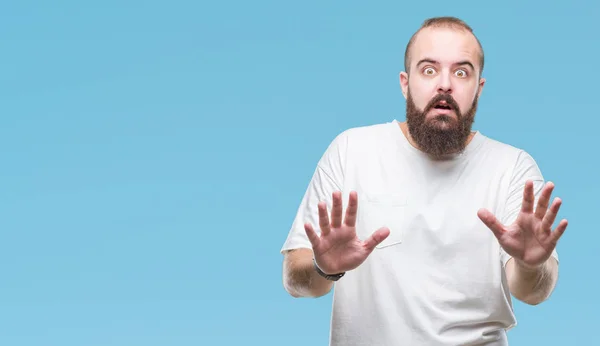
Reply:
x=327, y=178
x=525, y=169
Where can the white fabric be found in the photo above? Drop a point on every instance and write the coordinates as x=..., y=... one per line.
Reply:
x=438, y=279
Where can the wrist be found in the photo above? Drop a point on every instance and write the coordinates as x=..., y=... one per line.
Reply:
x=528, y=268
x=328, y=276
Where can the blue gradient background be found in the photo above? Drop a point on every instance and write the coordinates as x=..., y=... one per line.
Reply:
x=153, y=155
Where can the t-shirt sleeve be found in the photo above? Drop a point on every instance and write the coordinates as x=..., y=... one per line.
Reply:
x=327, y=178
x=525, y=169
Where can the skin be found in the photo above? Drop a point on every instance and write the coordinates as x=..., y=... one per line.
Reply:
x=444, y=60
x=531, y=272
x=337, y=249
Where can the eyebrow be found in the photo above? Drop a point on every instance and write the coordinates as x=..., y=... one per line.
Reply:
x=460, y=63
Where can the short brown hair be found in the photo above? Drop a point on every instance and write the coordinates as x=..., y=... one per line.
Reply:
x=442, y=22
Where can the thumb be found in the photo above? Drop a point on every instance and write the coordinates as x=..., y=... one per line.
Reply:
x=376, y=238
x=491, y=222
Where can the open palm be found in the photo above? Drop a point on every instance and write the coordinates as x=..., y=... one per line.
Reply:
x=338, y=248
x=530, y=238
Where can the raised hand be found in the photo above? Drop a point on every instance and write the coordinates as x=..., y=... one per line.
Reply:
x=338, y=249
x=530, y=239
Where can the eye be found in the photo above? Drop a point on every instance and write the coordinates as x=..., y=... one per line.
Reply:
x=429, y=71
x=461, y=73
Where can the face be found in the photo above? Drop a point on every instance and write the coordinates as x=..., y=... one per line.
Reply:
x=442, y=89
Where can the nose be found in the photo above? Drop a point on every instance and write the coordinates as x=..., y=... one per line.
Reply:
x=445, y=83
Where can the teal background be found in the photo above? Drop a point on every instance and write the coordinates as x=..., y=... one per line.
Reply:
x=153, y=155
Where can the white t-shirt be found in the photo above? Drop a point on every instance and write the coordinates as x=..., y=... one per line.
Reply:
x=438, y=279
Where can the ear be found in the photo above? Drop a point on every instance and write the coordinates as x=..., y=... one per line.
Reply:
x=404, y=83
x=481, y=84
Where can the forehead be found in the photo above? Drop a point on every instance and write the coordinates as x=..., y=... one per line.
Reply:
x=446, y=45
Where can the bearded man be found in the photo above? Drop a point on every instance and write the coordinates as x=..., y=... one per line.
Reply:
x=425, y=229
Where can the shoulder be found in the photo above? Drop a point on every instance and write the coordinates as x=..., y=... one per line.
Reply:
x=354, y=141
x=499, y=148
x=492, y=144
x=510, y=156
x=364, y=132
x=368, y=137
x=359, y=136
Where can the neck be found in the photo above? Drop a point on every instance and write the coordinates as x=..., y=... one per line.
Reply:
x=404, y=129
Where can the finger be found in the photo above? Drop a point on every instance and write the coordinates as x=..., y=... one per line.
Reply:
x=313, y=237
x=323, y=218
x=376, y=238
x=351, y=210
x=528, y=197
x=558, y=232
x=550, y=216
x=544, y=200
x=336, y=210
x=491, y=222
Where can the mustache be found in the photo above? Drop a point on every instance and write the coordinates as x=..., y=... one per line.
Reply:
x=443, y=97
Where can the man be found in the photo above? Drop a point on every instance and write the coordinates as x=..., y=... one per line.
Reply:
x=426, y=227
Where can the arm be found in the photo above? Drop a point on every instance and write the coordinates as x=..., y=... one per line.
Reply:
x=300, y=279
x=532, y=286
x=524, y=232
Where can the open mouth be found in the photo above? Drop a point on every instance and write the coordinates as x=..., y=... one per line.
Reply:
x=443, y=105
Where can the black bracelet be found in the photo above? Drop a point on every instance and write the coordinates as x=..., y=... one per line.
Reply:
x=331, y=277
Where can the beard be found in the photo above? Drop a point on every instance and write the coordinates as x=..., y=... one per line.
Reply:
x=441, y=135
